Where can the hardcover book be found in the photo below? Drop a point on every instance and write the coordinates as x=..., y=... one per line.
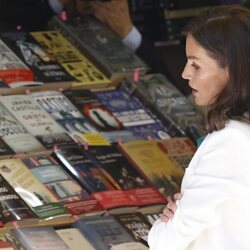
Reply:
x=67, y=191
x=65, y=114
x=155, y=164
x=36, y=120
x=15, y=135
x=36, y=196
x=71, y=59
x=40, y=238
x=12, y=207
x=132, y=113
x=46, y=68
x=74, y=239
x=101, y=46
x=96, y=180
x=177, y=111
x=12, y=69
x=180, y=150
x=8, y=241
x=102, y=231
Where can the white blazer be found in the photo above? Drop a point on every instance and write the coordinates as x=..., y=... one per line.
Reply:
x=214, y=212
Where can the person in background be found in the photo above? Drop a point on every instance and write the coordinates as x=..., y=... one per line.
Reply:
x=212, y=211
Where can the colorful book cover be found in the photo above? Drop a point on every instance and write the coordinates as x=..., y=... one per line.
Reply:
x=15, y=135
x=36, y=120
x=71, y=59
x=96, y=180
x=65, y=114
x=12, y=207
x=100, y=45
x=155, y=164
x=40, y=238
x=67, y=191
x=36, y=196
x=132, y=114
x=45, y=67
x=12, y=69
x=102, y=231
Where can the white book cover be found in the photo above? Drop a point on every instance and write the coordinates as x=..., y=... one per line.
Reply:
x=15, y=135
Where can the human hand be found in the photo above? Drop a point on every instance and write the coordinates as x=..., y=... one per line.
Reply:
x=169, y=210
x=115, y=14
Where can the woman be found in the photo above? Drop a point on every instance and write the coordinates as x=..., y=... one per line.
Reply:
x=213, y=210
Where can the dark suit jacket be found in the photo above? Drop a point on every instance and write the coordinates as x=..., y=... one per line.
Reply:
x=30, y=14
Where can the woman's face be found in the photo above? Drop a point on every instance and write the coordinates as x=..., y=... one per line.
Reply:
x=204, y=74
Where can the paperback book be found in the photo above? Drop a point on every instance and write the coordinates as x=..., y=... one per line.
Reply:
x=36, y=196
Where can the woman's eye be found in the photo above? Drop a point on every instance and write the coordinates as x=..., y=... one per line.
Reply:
x=195, y=66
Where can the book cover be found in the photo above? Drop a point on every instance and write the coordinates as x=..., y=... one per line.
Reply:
x=98, y=43
x=5, y=150
x=67, y=191
x=157, y=90
x=155, y=164
x=8, y=241
x=102, y=231
x=46, y=68
x=129, y=246
x=40, y=238
x=36, y=196
x=15, y=135
x=125, y=176
x=74, y=239
x=36, y=120
x=135, y=224
x=180, y=150
x=96, y=180
x=71, y=59
x=65, y=114
x=132, y=113
x=12, y=69
x=12, y=207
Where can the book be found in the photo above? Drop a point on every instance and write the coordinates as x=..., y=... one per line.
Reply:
x=12, y=207
x=15, y=135
x=155, y=164
x=102, y=231
x=87, y=171
x=36, y=196
x=180, y=150
x=152, y=217
x=132, y=114
x=177, y=111
x=101, y=46
x=66, y=190
x=71, y=59
x=12, y=69
x=124, y=176
x=74, y=239
x=5, y=150
x=136, y=225
x=8, y=241
x=65, y=114
x=36, y=120
x=46, y=68
x=40, y=238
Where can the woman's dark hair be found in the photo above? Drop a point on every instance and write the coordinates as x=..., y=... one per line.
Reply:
x=224, y=32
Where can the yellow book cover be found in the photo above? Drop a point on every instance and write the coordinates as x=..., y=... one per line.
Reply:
x=33, y=192
x=71, y=59
x=155, y=164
